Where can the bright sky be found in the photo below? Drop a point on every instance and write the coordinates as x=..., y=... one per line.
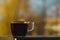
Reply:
x=38, y=5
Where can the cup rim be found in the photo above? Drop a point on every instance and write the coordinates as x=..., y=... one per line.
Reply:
x=20, y=22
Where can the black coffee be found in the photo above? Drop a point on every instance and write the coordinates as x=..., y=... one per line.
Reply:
x=19, y=29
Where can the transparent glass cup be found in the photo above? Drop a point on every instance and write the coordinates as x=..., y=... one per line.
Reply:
x=20, y=28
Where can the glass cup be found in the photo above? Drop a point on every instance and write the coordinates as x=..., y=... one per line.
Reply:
x=20, y=28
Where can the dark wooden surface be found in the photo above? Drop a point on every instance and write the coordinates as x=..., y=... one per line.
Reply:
x=39, y=38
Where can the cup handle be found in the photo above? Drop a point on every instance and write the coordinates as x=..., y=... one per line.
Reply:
x=29, y=30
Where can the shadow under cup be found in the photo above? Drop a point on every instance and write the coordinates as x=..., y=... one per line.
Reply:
x=19, y=29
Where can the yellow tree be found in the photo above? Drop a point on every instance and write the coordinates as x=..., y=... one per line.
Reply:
x=7, y=12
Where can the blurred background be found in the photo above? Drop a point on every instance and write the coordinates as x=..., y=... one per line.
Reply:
x=44, y=13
